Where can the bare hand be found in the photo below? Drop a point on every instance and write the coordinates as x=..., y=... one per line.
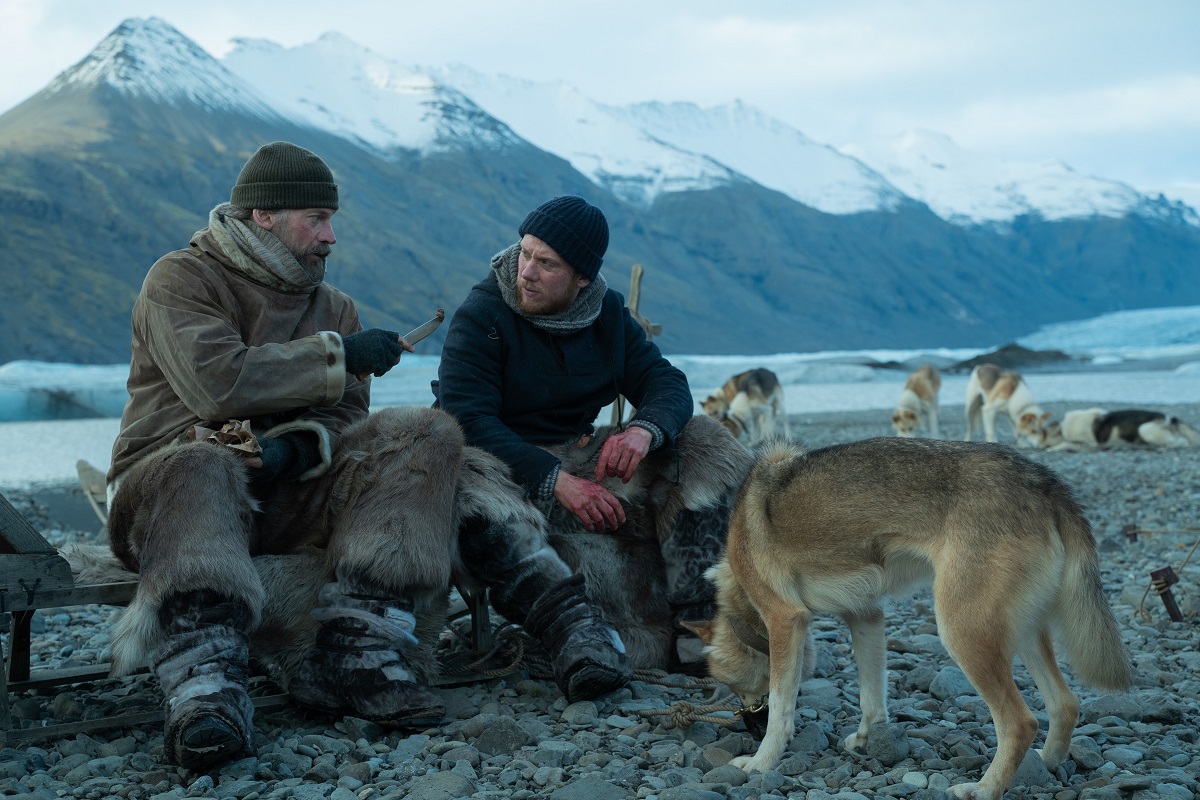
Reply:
x=622, y=453
x=595, y=506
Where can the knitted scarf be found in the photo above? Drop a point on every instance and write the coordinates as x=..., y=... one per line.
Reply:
x=259, y=254
x=580, y=314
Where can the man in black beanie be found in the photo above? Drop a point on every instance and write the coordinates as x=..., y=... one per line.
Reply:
x=533, y=354
x=323, y=540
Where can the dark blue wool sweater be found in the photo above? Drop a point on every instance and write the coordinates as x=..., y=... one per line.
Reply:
x=512, y=386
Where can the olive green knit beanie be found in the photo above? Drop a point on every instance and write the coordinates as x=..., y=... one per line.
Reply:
x=282, y=175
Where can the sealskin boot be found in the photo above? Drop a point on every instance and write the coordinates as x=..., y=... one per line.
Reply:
x=202, y=668
x=588, y=654
x=359, y=667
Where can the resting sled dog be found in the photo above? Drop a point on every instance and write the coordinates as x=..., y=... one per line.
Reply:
x=918, y=403
x=1010, y=555
x=750, y=406
x=1092, y=428
x=989, y=392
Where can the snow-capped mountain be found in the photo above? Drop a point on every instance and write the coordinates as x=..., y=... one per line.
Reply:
x=769, y=152
x=745, y=226
x=642, y=151
x=613, y=151
x=968, y=187
x=338, y=86
x=638, y=152
x=149, y=58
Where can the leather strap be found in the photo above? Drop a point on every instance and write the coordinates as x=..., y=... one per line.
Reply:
x=748, y=636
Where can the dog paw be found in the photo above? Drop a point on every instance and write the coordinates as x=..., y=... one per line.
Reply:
x=1051, y=760
x=750, y=764
x=854, y=742
x=970, y=791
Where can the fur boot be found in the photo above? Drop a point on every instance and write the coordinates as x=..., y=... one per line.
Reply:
x=533, y=587
x=589, y=657
x=202, y=668
x=361, y=664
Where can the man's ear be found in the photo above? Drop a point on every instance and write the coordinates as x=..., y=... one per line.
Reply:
x=582, y=282
x=263, y=218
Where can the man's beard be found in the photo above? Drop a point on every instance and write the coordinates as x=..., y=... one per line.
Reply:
x=315, y=256
x=542, y=305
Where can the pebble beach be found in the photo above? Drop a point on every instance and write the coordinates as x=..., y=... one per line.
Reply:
x=514, y=736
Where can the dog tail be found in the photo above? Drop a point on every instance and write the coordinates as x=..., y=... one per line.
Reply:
x=1085, y=621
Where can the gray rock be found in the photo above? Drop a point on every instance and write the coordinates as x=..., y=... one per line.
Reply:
x=688, y=793
x=728, y=773
x=950, y=682
x=1110, y=705
x=887, y=743
x=1168, y=791
x=440, y=786
x=1123, y=757
x=810, y=738
x=584, y=708
x=503, y=736
x=794, y=765
x=1086, y=752
x=1033, y=772
x=554, y=753
x=1160, y=708
x=591, y=787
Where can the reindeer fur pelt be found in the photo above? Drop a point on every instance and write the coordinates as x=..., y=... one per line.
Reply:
x=291, y=582
x=624, y=569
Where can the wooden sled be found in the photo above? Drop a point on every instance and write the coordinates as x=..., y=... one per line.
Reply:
x=33, y=576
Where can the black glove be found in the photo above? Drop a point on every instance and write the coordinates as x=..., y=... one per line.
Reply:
x=372, y=351
x=285, y=457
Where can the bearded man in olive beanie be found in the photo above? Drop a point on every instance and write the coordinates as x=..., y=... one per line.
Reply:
x=326, y=544
x=533, y=354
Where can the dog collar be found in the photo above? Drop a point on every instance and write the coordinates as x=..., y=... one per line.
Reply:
x=748, y=636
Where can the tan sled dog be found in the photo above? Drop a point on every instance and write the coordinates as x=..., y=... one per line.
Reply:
x=1010, y=555
x=918, y=403
x=990, y=391
x=750, y=405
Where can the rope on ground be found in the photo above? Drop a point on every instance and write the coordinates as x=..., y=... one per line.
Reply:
x=683, y=714
x=518, y=651
x=663, y=679
x=510, y=648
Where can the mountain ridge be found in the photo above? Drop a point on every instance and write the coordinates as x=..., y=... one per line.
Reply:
x=98, y=179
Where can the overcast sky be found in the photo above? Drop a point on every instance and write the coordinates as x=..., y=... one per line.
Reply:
x=1111, y=87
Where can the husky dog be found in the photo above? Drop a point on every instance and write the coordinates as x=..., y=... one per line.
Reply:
x=918, y=403
x=1010, y=555
x=1076, y=432
x=1094, y=428
x=990, y=391
x=750, y=405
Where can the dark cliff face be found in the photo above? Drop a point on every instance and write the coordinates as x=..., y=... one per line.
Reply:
x=94, y=186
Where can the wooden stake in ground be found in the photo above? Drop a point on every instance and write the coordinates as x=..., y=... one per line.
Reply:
x=652, y=329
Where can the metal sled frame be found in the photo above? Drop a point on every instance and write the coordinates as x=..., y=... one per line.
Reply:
x=34, y=576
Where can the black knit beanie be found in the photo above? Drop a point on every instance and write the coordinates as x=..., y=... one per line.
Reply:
x=576, y=230
x=282, y=175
